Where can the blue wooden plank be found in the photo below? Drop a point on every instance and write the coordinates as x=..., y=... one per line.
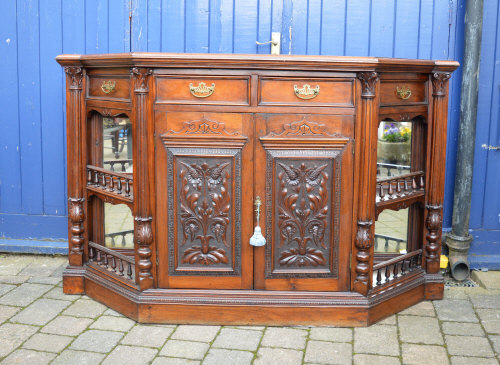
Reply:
x=440, y=27
x=286, y=27
x=221, y=26
x=425, y=30
x=173, y=35
x=96, y=26
x=26, y=226
x=265, y=25
x=34, y=246
x=154, y=25
x=486, y=86
x=382, y=28
x=314, y=27
x=407, y=27
x=139, y=27
x=277, y=16
x=10, y=158
x=196, y=26
x=118, y=26
x=299, y=27
x=245, y=26
x=29, y=106
x=491, y=210
x=456, y=53
x=53, y=156
x=73, y=26
x=333, y=27
x=357, y=28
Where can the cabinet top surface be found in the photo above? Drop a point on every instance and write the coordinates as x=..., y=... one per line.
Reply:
x=254, y=61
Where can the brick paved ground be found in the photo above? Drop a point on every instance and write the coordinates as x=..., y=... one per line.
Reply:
x=41, y=325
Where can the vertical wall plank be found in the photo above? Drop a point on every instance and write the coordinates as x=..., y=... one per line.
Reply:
x=265, y=25
x=29, y=106
x=245, y=26
x=73, y=26
x=96, y=26
x=10, y=161
x=139, y=26
x=299, y=27
x=314, y=27
x=173, y=35
x=118, y=26
x=154, y=25
x=221, y=26
x=286, y=27
x=51, y=82
x=425, y=36
x=440, y=30
x=357, y=28
x=196, y=27
x=407, y=26
x=382, y=28
x=333, y=27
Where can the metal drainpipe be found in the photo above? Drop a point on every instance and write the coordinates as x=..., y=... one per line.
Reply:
x=459, y=239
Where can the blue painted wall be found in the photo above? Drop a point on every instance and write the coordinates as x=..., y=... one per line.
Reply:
x=33, y=32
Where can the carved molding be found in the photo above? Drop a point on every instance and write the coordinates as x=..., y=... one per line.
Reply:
x=76, y=217
x=368, y=82
x=439, y=82
x=141, y=78
x=144, y=238
x=363, y=243
x=433, y=223
x=204, y=126
x=303, y=128
x=75, y=74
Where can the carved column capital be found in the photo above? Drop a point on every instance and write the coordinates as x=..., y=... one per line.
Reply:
x=141, y=78
x=368, y=82
x=75, y=74
x=144, y=238
x=439, y=82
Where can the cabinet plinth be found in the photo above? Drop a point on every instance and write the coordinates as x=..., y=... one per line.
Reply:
x=174, y=159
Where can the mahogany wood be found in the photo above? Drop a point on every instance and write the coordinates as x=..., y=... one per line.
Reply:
x=212, y=132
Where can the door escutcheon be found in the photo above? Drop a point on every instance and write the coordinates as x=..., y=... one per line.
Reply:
x=257, y=239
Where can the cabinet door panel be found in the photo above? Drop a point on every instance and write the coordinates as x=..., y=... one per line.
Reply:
x=306, y=180
x=202, y=223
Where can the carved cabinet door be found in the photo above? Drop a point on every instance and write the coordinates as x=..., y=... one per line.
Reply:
x=204, y=175
x=304, y=177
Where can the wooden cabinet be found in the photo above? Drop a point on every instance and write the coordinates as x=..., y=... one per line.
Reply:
x=174, y=160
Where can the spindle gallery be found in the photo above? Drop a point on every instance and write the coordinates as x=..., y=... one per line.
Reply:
x=246, y=189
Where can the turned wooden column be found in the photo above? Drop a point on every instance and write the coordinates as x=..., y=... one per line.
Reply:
x=366, y=165
x=435, y=185
x=142, y=128
x=75, y=120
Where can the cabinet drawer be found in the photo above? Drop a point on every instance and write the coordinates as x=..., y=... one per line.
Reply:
x=109, y=87
x=403, y=92
x=200, y=90
x=305, y=91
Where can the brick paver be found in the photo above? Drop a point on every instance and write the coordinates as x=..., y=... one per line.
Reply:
x=39, y=324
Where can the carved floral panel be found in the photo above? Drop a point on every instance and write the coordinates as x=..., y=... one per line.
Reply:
x=204, y=197
x=306, y=188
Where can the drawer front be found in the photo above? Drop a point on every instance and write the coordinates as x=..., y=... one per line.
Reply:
x=403, y=92
x=109, y=87
x=197, y=90
x=304, y=91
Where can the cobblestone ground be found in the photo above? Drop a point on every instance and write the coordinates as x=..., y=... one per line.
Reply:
x=41, y=325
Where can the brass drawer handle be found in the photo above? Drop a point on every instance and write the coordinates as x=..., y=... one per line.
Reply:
x=202, y=90
x=108, y=86
x=403, y=92
x=305, y=92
